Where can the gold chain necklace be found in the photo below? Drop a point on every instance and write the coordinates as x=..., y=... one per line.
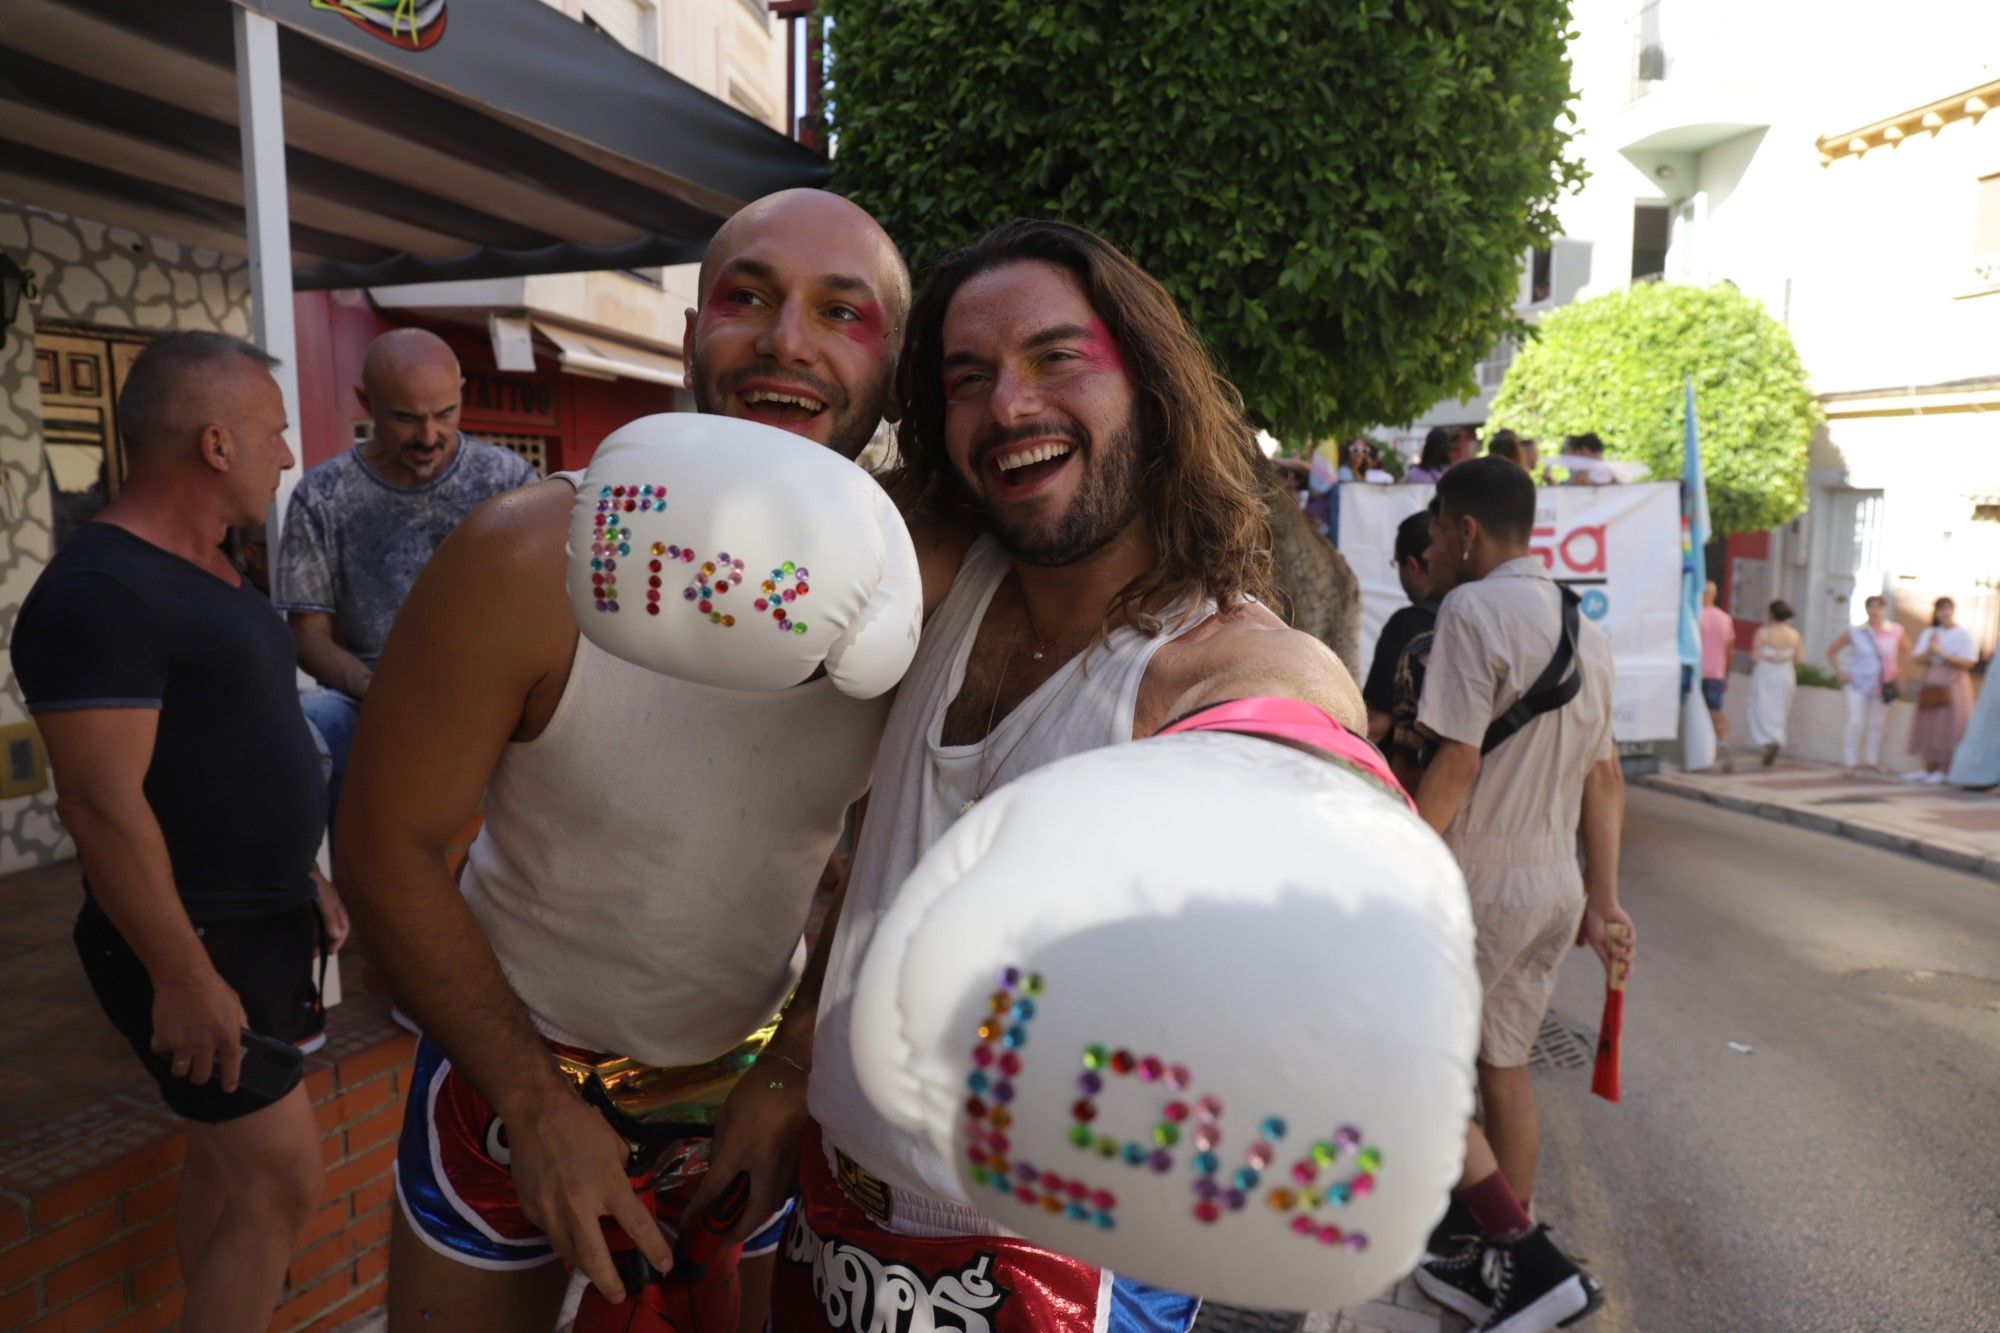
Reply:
x=981, y=787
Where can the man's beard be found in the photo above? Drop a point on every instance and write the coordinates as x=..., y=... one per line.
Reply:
x=1105, y=503
x=854, y=423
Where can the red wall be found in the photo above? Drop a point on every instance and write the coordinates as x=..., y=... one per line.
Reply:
x=334, y=330
x=576, y=412
x=1742, y=546
x=598, y=407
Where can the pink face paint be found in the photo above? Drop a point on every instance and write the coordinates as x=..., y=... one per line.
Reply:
x=717, y=305
x=869, y=327
x=1102, y=350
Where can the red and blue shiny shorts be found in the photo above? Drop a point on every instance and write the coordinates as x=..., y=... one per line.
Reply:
x=838, y=1270
x=456, y=1188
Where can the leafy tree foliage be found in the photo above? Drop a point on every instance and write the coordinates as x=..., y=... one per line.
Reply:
x=1614, y=365
x=1338, y=193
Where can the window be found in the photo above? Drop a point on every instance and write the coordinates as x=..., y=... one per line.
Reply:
x=1493, y=369
x=633, y=24
x=534, y=448
x=1986, y=231
x=1650, y=64
x=1651, y=226
x=1541, y=271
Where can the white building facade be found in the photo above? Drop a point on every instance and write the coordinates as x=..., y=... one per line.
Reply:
x=1838, y=162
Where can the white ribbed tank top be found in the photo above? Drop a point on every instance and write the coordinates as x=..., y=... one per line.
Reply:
x=648, y=860
x=920, y=783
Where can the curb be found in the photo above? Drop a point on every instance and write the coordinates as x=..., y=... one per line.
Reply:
x=1953, y=858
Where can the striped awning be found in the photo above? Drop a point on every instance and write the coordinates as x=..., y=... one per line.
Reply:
x=426, y=140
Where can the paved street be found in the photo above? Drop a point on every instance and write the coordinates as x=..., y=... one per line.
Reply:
x=1840, y=1174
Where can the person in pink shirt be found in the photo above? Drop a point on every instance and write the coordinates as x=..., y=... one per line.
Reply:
x=1718, y=634
x=1867, y=660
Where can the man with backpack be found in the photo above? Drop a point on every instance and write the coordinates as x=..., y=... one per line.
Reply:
x=1517, y=695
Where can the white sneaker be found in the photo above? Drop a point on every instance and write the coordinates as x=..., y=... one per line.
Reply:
x=1934, y=779
x=1916, y=775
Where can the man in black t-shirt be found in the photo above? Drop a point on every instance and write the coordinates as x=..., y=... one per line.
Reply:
x=1413, y=539
x=163, y=685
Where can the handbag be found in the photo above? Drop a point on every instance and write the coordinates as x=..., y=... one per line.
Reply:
x=1933, y=696
x=1887, y=687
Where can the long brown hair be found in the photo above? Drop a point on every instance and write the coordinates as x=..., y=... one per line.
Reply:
x=1201, y=493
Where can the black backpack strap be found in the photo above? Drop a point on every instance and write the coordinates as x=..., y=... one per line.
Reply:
x=1556, y=686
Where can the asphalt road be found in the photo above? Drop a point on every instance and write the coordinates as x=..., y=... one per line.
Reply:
x=1843, y=1174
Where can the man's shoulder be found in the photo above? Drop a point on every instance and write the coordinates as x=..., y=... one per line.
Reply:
x=529, y=520
x=326, y=476
x=1251, y=638
x=1412, y=618
x=1248, y=649
x=484, y=459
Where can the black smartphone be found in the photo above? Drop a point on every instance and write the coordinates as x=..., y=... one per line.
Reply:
x=270, y=1066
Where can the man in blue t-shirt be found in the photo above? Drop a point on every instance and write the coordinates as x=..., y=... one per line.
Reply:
x=164, y=689
x=362, y=525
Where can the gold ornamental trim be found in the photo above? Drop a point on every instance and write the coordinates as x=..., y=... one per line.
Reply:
x=1972, y=104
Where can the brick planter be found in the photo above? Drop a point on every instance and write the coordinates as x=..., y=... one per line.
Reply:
x=86, y=1202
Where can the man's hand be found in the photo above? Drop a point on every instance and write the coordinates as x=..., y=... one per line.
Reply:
x=757, y=1131
x=569, y=1171
x=198, y=1024
x=1593, y=933
x=332, y=914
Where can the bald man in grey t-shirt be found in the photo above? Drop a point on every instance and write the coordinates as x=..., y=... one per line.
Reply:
x=362, y=525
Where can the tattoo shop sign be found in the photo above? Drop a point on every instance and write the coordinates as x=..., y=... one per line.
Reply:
x=1617, y=547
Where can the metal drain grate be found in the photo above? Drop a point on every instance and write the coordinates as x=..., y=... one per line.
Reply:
x=1562, y=1045
x=1229, y=1319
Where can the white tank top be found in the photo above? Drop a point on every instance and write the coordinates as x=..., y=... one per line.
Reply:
x=919, y=786
x=648, y=860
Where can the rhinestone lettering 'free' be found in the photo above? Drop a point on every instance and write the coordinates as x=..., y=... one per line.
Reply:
x=611, y=541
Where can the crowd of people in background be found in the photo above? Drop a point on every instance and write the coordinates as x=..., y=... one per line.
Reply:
x=1874, y=661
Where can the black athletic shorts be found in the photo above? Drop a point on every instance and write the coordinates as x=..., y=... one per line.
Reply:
x=267, y=960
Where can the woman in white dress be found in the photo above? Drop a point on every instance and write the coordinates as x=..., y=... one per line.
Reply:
x=1947, y=653
x=1775, y=653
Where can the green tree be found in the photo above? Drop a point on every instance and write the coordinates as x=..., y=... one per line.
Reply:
x=1338, y=193
x=1615, y=365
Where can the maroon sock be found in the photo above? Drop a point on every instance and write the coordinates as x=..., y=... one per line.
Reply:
x=1493, y=1205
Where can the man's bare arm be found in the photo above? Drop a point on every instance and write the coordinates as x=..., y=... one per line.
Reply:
x=323, y=659
x=1603, y=824
x=100, y=757
x=483, y=642
x=1446, y=783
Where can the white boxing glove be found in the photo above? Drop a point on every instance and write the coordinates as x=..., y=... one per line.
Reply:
x=733, y=554
x=1199, y=1009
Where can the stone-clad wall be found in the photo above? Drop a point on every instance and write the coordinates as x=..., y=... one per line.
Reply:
x=111, y=278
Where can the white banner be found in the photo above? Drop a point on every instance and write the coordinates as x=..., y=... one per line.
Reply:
x=1617, y=546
